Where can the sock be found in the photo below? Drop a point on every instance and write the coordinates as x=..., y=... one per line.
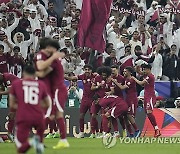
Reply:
x=47, y=122
x=135, y=126
x=122, y=122
x=51, y=126
x=93, y=125
x=129, y=128
x=152, y=120
x=105, y=124
x=55, y=126
x=101, y=127
x=115, y=124
x=10, y=126
x=24, y=147
x=62, y=127
x=81, y=124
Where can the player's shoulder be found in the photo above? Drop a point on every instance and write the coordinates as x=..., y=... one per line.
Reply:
x=39, y=56
x=16, y=82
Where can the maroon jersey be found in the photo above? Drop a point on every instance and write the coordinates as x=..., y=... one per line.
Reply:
x=87, y=83
x=149, y=89
x=28, y=93
x=8, y=79
x=131, y=92
x=46, y=80
x=109, y=102
x=105, y=88
x=4, y=60
x=57, y=76
x=117, y=90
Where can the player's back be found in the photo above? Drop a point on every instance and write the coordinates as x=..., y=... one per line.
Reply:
x=28, y=93
x=57, y=76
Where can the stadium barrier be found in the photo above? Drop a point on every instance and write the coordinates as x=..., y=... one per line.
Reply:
x=168, y=121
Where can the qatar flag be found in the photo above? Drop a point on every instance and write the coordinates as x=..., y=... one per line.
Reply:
x=155, y=16
x=94, y=16
x=125, y=62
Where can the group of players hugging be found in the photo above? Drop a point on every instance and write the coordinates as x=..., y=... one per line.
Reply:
x=39, y=99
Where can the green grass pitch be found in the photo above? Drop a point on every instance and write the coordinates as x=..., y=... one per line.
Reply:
x=95, y=146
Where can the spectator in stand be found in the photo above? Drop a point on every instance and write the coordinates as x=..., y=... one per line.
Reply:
x=16, y=62
x=74, y=95
x=111, y=60
x=171, y=66
x=134, y=42
x=5, y=42
x=157, y=63
x=51, y=12
x=4, y=60
x=19, y=40
x=24, y=25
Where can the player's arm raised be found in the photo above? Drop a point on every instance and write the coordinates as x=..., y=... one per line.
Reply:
x=142, y=83
x=44, y=64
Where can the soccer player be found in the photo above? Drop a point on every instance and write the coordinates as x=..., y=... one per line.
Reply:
x=42, y=61
x=113, y=106
x=28, y=96
x=88, y=94
x=53, y=68
x=149, y=95
x=102, y=86
x=131, y=99
x=117, y=78
x=6, y=80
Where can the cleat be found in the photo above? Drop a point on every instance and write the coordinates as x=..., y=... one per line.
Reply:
x=92, y=136
x=56, y=135
x=38, y=146
x=116, y=134
x=99, y=135
x=61, y=145
x=137, y=133
x=157, y=133
x=124, y=133
x=11, y=137
x=48, y=136
x=80, y=135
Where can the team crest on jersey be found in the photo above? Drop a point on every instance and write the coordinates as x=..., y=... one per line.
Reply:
x=103, y=82
x=147, y=77
x=8, y=83
x=88, y=80
x=39, y=57
x=84, y=81
x=128, y=83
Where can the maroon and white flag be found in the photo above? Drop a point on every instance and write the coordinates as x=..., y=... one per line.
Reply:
x=94, y=16
x=125, y=62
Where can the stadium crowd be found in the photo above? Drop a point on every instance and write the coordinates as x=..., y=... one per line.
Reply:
x=146, y=32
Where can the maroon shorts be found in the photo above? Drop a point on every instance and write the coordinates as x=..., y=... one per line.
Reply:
x=95, y=108
x=60, y=99
x=149, y=103
x=118, y=110
x=132, y=106
x=85, y=105
x=24, y=127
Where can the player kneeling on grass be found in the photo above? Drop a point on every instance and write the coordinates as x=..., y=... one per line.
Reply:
x=113, y=106
x=29, y=96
